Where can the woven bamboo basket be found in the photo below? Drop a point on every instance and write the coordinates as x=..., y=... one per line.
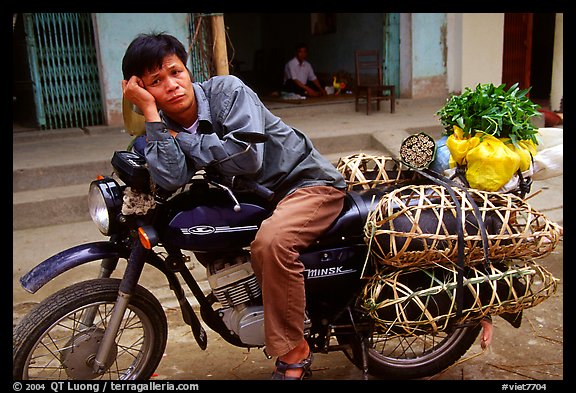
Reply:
x=415, y=226
x=416, y=301
x=364, y=171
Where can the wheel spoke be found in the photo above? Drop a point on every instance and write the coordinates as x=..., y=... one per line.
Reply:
x=61, y=337
x=62, y=340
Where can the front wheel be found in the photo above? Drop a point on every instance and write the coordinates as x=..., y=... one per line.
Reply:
x=59, y=339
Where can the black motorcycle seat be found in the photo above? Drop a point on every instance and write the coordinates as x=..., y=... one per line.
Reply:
x=349, y=225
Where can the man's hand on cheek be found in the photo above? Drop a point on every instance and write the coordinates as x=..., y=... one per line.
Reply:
x=134, y=91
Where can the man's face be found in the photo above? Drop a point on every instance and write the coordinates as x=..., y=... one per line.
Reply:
x=302, y=54
x=171, y=86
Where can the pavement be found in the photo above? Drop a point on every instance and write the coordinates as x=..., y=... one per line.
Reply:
x=51, y=173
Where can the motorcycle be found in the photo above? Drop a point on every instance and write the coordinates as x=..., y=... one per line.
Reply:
x=114, y=328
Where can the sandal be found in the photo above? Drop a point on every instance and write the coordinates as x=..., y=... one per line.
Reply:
x=281, y=367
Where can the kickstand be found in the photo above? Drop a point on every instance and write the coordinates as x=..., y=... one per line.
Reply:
x=364, y=347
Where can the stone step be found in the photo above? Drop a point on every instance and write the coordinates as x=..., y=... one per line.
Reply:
x=57, y=194
x=38, y=178
x=50, y=206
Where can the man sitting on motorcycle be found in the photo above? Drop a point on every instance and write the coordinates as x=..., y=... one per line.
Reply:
x=189, y=126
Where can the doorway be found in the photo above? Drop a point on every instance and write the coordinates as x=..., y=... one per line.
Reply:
x=528, y=53
x=55, y=72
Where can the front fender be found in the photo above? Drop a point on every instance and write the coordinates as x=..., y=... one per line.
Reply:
x=68, y=259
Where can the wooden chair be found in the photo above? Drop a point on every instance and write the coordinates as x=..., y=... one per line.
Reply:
x=369, y=81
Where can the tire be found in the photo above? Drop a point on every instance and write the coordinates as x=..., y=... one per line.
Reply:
x=413, y=357
x=50, y=343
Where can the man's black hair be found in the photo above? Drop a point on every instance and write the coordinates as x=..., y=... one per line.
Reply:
x=300, y=45
x=146, y=52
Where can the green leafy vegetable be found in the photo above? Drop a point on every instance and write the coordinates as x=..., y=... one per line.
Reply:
x=493, y=110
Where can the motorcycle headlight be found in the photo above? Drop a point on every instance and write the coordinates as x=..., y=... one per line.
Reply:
x=104, y=204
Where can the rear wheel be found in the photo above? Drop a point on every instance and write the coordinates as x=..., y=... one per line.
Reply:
x=59, y=339
x=411, y=357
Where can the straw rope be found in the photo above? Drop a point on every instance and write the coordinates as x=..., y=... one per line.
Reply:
x=418, y=150
x=419, y=301
x=410, y=226
x=135, y=202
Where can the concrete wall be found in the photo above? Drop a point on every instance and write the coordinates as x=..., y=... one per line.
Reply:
x=439, y=53
x=482, y=47
x=557, y=88
x=428, y=55
x=454, y=52
x=114, y=32
x=261, y=43
x=475, y=52
x=353, y=31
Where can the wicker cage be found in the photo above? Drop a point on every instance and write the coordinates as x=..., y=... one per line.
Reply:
x=415, y=226
x=364, y=171
x=423, y=301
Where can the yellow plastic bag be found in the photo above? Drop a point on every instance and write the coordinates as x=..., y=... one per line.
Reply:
x=459, y=145
x=526, y=150
x=491, y=164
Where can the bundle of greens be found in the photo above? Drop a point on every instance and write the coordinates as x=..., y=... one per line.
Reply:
x=493, y=110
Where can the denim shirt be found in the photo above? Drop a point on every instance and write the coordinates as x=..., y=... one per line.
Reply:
x=285, y=162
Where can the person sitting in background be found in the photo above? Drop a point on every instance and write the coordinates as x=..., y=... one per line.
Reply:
x=299, y=75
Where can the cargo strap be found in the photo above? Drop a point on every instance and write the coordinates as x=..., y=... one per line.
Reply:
x=449, y=184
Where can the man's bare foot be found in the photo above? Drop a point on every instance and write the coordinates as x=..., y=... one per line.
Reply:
x=296, y=355
x=487, y=332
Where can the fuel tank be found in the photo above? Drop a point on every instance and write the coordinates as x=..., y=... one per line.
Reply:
x=216, y=227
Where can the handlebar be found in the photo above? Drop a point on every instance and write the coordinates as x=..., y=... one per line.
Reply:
x=243, y=184
x=235, y=183
x=161, y=195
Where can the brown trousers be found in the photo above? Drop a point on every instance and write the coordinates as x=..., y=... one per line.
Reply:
x=298, y=220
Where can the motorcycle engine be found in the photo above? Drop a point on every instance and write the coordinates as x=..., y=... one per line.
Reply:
x=234, y=284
